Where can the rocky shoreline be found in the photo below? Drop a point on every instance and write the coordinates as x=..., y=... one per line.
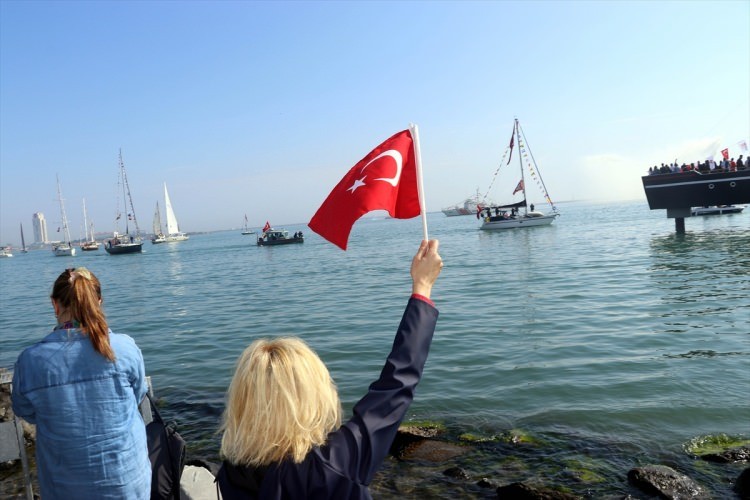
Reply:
x=429, y=461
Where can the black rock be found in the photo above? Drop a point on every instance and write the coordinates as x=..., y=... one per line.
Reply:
x=665, y=482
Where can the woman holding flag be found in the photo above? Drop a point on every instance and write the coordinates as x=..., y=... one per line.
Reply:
x=283, y=436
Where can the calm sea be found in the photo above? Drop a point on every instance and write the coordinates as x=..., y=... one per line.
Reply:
x=606, y=337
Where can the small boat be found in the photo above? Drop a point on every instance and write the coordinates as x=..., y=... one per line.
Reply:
x=23, y=242
x=468, y=207
x=173, y=229
x=273, y=236
x=5, y=252
x=520, y=213
x=125, y=243
x=63, y=248
x=245, y=229
x=717, y=210
x=89, y=244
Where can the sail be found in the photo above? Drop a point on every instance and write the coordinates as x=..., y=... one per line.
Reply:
x=157, y=220
x=23, y=242
x=172, y=226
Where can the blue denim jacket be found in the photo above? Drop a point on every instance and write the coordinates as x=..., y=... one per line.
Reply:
x=90, y=436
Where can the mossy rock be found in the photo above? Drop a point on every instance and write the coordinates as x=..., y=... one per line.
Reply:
x=584, y=471
x=423, y=428
x=714, y=444
x=477, y=439
x=518, y=436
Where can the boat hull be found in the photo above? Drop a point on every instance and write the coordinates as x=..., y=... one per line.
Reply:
x=170, y=239
x=453, y=212
x=683, y=190
x=90, y=247
x=731, y=209
x=64, y=251
x=123, y=248
x=285, y=241
x=494, y=223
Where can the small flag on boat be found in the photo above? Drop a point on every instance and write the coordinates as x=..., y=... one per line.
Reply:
x=743, y=145
x=385, y=179
x=725, y=153
x=266, y=227
x=519, y=187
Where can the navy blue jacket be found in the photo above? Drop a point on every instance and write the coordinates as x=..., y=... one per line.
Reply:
x=345, y=465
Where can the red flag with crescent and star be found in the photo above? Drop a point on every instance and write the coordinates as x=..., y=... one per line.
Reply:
x=385, y=179
x=519, y=186
x=266, y=227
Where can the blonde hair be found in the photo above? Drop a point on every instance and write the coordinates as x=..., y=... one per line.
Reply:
x=281, y=403
x=80, y=292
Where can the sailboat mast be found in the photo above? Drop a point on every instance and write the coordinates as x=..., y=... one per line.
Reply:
x=126, y=191
x=520, y=164
x=23, y=242
x=66, y=232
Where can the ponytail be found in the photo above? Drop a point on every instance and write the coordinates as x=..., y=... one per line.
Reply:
x=80, y=292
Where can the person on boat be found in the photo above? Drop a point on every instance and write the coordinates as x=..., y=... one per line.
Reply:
x=531, y=207
x=740, y=163
x=282, y=432
x=81, y=385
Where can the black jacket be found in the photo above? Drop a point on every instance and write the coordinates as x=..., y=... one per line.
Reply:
x=345, y=465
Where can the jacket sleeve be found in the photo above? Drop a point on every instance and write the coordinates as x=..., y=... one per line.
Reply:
x=358, y=448
x=22, y=406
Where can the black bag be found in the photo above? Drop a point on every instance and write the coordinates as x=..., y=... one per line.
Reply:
x=166, y=450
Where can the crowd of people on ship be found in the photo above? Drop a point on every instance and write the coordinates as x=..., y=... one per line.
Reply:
x=708, y=166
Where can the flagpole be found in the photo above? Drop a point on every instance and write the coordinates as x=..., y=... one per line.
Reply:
x=420, y=185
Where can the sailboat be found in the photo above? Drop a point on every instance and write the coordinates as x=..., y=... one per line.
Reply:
x=245, y=229
x=64, y=248
x=511, y=215
x=89, y=244
x=23, y=242
x=126, y=242
x=173, y=229
x=156, y=226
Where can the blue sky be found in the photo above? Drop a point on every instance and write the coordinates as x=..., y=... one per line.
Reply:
x=260, y=108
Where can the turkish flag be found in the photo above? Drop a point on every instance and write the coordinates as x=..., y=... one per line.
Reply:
x=385, y=179
x=266, y=227
x=725, y=153
x=519, y=186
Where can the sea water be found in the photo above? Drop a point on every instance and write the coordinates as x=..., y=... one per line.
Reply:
x=608, y=338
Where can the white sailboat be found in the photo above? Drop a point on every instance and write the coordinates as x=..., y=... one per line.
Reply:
x=89, y=244
x=125, y=243
x=245, y=229
x=173, y=228
x=509, y=216
x=156, y=226
x=63, y=248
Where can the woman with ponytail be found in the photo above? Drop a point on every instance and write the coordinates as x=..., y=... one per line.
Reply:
x=81, y=386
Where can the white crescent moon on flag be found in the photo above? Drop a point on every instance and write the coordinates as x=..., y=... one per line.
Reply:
x=397, y=158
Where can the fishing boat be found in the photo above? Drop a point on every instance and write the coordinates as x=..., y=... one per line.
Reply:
x=89, y=244
x=518, y=213
x=6, y=252
x=63, y=248
x=23, y=242
x=173, y=228
x=245, y=229
x=273, y=236
x=468, y=207
x=717, y=210
x=122, y=243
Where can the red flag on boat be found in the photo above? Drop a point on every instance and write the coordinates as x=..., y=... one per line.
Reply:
x=385, y=179
x=519, y=187
x=479, y=210
x=266, y=227
x=725, y=153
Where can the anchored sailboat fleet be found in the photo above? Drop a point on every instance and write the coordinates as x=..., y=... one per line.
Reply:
x=63, y=248
x=173, y=228
x=510, y=215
